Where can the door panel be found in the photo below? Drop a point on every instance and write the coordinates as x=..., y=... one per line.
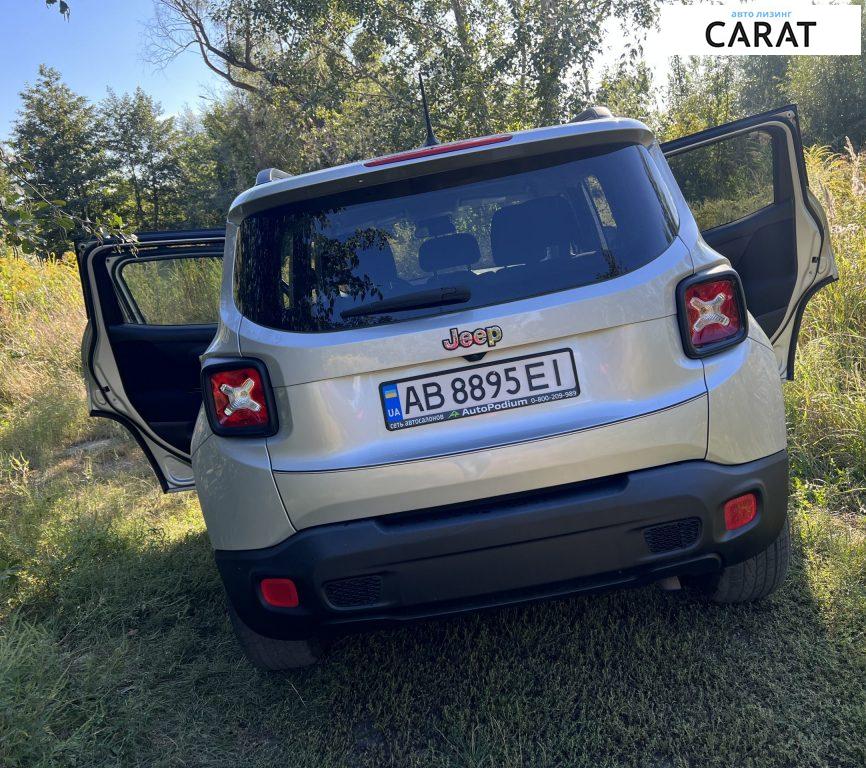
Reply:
x=152, y=311
x=761, y=248
x=746, y=185
x=160, y=370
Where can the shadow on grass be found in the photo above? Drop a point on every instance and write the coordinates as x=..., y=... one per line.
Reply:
x=637, y=678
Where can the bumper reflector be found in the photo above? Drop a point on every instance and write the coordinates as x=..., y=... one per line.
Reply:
x=740, y=511
x=280, y=593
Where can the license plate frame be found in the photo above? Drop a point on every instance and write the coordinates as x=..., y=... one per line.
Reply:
x=477, y=408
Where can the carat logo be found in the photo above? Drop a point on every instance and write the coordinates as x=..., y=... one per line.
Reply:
x=758, y=29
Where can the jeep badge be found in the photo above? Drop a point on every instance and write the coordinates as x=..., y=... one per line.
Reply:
x=480, y=336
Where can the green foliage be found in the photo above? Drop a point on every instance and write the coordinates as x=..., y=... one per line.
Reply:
x=78, y=170
x=763, y=83
x=702, y=92
x=23, y=218
x=827, y=400
x=830, y=92
x=145, y=149
x=336, y=67
x=627, y=90
x=58, y=152
x=62, y=6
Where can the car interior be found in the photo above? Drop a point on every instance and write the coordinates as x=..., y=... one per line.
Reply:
x=159, y=364
x=760, y=244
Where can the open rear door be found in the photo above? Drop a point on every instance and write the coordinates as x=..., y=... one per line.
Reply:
x=152, y=310
x=746, y=185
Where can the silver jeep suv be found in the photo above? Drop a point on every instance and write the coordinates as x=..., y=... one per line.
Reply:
x=474, y=374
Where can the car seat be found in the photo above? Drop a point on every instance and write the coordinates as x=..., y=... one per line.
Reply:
x=449, y=258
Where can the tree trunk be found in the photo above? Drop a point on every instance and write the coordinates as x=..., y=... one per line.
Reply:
x=136, y=191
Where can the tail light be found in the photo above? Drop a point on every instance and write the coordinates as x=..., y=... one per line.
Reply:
x=740, y=511
x=437, y=149
x=712, y=313
x=238, y=399
x=280, y=593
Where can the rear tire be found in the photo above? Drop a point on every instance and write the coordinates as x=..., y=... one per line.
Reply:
x=271, y=654
x=755, y=578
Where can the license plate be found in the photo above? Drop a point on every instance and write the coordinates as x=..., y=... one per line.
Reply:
x=478, y=389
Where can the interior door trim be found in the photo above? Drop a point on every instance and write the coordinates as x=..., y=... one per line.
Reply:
x=140, y=431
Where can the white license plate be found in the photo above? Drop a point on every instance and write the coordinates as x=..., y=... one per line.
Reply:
x=477, y=389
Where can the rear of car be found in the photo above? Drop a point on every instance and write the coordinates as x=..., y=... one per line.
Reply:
x=474, y=374
x=488, y=385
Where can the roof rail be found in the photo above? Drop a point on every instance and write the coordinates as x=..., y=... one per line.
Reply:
x=270, y=174
x=591, y=113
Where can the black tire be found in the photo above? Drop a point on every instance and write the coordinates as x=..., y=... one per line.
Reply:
x=274, y=655
x=755, y=578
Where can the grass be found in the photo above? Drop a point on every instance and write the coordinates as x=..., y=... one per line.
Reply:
x=115, y=648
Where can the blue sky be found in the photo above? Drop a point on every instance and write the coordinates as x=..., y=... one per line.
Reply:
x=102, y=45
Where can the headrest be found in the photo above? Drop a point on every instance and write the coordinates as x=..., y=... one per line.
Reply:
x=522, y=233
x=435, y=226
x=378, y=262
x=458, y=250
x=374, y=254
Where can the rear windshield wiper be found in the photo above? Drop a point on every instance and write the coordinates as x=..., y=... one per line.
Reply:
x=432, y=297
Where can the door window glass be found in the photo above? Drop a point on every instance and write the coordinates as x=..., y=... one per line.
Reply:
x=728, y=179
x=179, y=291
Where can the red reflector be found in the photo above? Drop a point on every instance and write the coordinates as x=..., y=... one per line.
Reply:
x=281, y=593
x=239, y=398
x=438, y=149
x=740, y=510
x=713, y=311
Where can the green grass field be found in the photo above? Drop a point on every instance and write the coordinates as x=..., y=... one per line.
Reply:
x=115, y=648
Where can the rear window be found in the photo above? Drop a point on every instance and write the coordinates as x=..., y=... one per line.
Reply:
x=452, y=241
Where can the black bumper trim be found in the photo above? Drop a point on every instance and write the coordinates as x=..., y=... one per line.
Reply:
x=505, y=550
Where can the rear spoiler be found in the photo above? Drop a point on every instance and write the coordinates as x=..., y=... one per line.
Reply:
x=463, y=154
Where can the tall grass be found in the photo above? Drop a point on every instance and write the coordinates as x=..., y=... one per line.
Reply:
x=826, y=403
x=41, y=390
x=183, y=291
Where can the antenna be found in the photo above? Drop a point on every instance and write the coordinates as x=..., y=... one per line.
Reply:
x=431, y=140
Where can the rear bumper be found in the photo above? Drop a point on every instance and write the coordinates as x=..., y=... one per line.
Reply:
x=510, y=549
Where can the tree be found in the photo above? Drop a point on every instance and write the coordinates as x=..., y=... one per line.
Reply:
x=57, y=148
x=831, y=93
x=344, y=72
x=626, y=89
x=701, y=92
x=144, y=148
x=62, y=6
x=763, y=83
x=23, y=217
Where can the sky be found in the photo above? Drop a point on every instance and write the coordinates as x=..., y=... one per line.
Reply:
x=102, y=45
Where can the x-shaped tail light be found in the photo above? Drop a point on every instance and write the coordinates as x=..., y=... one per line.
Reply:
x=240, y=398
x=709, y=312
x=712, y=313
